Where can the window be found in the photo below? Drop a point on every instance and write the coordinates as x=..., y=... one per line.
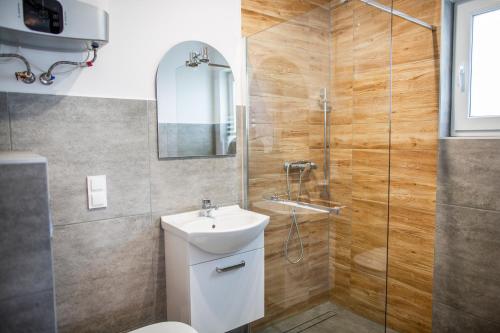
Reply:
x=476, y=66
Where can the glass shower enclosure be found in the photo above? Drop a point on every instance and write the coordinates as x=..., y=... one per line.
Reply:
x=319, y=111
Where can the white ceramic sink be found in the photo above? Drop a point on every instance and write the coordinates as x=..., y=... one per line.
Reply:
x=228, y=230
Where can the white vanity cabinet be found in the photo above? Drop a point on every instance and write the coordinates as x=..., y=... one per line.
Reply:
x=214, y=293
x=224, y=300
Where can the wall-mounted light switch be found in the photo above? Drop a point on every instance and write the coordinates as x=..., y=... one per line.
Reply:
x=97, y=192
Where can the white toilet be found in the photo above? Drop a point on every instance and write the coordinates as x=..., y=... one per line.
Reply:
x=166, y=327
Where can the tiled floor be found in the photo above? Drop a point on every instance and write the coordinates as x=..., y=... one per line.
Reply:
x=327, y=317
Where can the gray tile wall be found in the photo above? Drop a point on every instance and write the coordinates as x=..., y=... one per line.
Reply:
x=86, y=136
x=109, y=263
x=178, y=140
x=4, y=123
x=467, y=270
x=26, y=280
x=187, y=139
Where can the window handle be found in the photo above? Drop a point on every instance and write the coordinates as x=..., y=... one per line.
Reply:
x=461, y=78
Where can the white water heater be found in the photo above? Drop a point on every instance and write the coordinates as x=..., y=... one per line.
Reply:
x=58, y=25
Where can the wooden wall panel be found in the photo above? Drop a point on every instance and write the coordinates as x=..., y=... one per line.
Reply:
x=288, y=65
x=342, y=69
x=259, y=15
x=361, y=77
x=363, y=145
x=415, y=105
x=360, y=130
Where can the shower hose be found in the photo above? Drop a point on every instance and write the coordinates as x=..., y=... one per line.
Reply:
x=293, y=216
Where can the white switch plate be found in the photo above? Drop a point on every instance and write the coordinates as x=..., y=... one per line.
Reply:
x=97, y=191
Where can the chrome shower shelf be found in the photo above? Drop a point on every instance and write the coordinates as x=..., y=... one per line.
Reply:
x=304, y=205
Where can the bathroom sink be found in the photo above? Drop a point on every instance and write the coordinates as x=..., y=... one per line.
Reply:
x=227, y=230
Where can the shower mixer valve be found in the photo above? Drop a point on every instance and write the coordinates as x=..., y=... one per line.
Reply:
x=299, y=165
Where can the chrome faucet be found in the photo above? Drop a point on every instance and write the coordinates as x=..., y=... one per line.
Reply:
x=207, y=207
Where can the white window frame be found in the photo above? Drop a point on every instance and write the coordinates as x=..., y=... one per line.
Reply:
x=462, y=124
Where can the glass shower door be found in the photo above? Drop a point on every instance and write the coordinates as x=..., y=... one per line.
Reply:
x=288, y=69
x=361, y=87
x=318, y=138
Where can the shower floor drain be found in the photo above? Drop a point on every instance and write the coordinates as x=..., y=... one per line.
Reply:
x=311, y=322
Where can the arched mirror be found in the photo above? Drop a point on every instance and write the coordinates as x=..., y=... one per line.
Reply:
x=195, y=102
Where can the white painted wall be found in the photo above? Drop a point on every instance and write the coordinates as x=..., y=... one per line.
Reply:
x=141, y=32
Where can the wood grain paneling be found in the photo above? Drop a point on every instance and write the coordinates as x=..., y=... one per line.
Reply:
x=368, y=127
x=340, y=280
x=412, y=244
x=369, y=224
x=370, y=136
x=341, y=136
x=413, y=179
x=253, y=21
x=288, y=65
x=370, y=174
x=421, y=80
x=360, y=125
x=367, y=295
x=371, y=86
x=361, y=81
x=419, y=135
x=342, y=66
x=414, y=135
x=408, y=309
x=371, y=94
x=259, y=15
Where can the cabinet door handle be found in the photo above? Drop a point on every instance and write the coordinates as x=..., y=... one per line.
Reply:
x=230, y=268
